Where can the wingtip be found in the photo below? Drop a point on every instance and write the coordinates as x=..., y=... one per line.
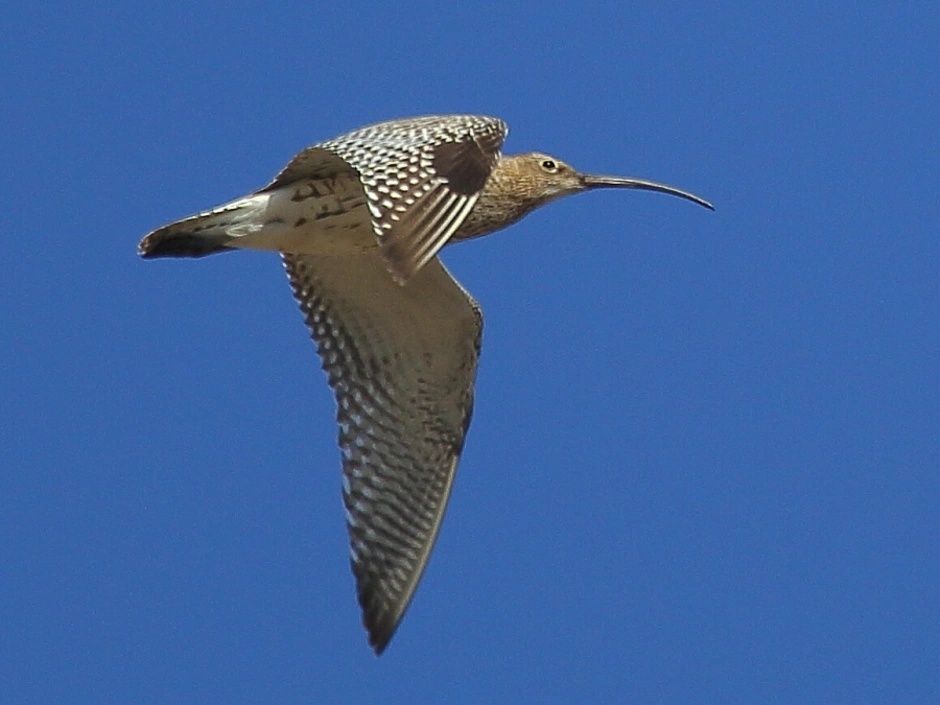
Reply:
x=380, y=625
x=380, y=618
x=379, y=645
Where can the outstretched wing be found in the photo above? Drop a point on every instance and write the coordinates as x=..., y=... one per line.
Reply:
x=402, y=362
x=422, y=177
x=314, y=163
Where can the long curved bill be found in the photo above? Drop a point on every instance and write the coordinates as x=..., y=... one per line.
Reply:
x=592, y=181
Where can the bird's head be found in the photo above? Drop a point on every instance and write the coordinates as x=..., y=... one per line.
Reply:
x=522, y=182
x=536, y=179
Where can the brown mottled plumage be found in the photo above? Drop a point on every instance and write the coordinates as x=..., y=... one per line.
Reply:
x=359, y=220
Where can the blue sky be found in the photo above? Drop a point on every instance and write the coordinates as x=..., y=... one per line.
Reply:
x=703, y=466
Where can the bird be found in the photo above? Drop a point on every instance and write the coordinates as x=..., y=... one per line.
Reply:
x=359, y=221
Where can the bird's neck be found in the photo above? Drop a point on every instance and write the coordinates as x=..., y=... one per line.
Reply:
x=498, y=206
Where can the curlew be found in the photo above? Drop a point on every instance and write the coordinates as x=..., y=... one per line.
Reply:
x=359, y=220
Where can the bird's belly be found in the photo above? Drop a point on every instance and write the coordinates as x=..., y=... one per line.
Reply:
x=341, y=235
x=313, y=217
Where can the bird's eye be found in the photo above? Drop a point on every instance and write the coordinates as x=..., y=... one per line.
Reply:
x=549, y=165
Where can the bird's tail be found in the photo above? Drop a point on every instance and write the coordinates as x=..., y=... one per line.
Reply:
x=206, y=233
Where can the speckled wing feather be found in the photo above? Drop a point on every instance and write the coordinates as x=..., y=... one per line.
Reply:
x=422, y=176
x=313, y=163
x=402, y=362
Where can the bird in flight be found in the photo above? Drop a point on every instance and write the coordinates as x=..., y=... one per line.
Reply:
x=359, y=220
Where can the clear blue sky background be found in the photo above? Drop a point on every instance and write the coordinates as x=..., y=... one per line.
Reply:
x=705, y=461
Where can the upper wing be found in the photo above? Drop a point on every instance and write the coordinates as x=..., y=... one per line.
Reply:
x=422, y=177
x=402, y=362
x=313, y=163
